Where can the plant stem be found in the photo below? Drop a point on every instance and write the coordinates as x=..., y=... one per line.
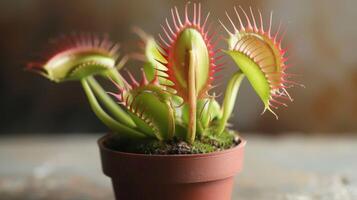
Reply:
x=192, y=98
x=112, y=107
x=229, y=99
x=105, y=118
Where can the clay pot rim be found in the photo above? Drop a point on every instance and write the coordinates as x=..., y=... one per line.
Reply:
x=199, y=155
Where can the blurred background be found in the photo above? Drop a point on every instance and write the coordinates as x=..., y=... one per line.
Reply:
x=322, y=37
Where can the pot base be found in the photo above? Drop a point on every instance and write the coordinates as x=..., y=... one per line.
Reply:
x=212, y=190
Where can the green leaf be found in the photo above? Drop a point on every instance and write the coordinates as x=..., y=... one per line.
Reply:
x=254, y=74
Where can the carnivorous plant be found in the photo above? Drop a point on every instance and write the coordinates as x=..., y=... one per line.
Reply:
x=173, y=100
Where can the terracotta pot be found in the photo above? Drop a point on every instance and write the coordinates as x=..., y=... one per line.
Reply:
x=172, y=177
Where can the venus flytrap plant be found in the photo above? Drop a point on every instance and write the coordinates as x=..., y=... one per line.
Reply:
x=172, y=101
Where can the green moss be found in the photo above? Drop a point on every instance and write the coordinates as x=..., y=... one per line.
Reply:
x=203, y=144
